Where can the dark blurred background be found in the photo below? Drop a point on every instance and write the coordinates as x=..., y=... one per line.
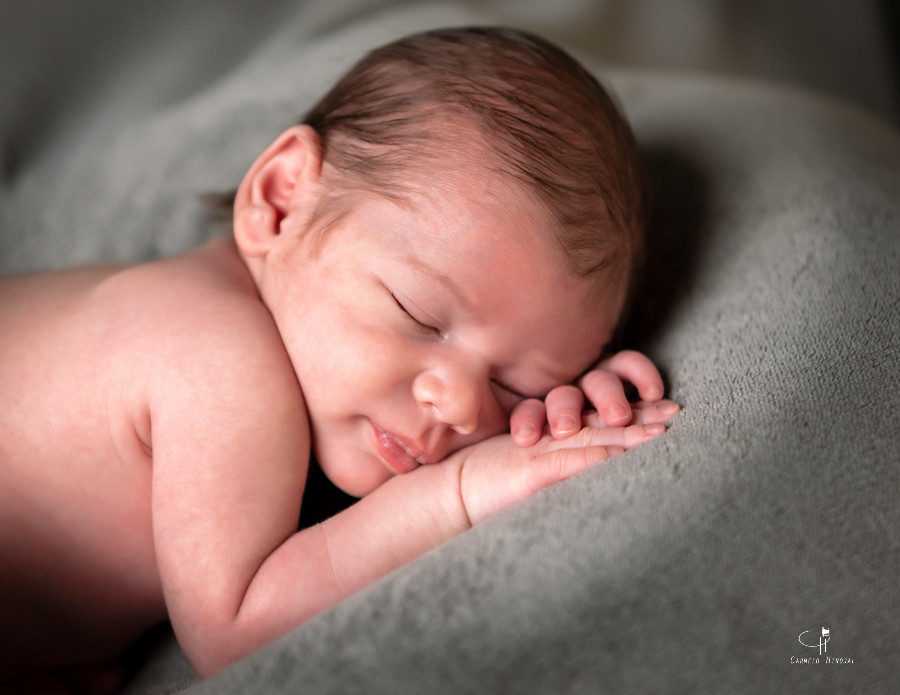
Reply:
x=848, y=48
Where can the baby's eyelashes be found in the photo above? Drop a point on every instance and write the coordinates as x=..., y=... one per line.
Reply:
x=424, y=328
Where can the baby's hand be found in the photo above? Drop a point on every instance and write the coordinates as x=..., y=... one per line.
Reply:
x=602, y=387
x=496, y=473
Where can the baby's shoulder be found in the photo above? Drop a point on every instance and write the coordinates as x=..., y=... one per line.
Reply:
x=204, y=290
x=198, y=317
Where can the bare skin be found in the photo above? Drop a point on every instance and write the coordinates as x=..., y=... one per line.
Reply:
x=157, y=420
x=75, y=530
x=80, y=574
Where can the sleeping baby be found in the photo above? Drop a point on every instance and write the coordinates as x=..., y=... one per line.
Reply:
x=419, y=297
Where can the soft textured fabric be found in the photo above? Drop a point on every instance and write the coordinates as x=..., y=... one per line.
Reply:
x=694, y=563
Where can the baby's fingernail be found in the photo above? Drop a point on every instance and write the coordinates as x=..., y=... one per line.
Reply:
x=566, y=424
x=617, y=411
x=669, y=408
x=654, y=392
x=525, y=431
x=655, y=428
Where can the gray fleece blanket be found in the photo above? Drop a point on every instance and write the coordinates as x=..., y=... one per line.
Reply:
x=712, y=559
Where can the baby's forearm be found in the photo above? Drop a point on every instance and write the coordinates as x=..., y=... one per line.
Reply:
x=322, y=565
x=407, y=516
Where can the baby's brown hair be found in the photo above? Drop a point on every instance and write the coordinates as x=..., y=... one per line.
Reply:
x=549, y=122
x=543, y=120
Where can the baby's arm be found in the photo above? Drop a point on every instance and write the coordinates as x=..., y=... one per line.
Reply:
x=603, y=387
x=227, y=484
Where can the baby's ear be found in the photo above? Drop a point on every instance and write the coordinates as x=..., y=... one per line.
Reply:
x=281, y=180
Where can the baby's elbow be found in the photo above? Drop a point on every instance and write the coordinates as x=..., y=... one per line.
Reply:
x=213, y=642
x=208, y=658
x=207, y=653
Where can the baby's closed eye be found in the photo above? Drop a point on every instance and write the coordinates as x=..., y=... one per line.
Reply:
x=426, y=329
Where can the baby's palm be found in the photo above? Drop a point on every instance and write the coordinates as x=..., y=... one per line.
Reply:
x=496, y=473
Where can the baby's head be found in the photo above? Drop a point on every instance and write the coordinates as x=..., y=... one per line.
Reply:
x=453, y=228
x=509, y=101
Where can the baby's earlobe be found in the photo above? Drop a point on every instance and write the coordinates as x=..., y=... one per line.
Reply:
x=254, y=228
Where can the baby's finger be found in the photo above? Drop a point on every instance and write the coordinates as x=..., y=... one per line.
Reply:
x=637, y=369
x=625, y=437
x=564, y=405
x=643, y=413
x=559, y=465
x=526, y=422
x=605, y=391
x=659, y=411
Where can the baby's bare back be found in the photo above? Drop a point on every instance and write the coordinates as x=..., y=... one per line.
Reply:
x=79, y=577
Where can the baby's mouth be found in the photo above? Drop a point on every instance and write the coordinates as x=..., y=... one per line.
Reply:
x=395, y=452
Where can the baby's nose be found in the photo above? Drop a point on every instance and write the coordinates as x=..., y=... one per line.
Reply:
x=455, y=394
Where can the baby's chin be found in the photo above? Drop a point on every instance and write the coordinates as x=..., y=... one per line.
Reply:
x=350, y=478
x=356, y=488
